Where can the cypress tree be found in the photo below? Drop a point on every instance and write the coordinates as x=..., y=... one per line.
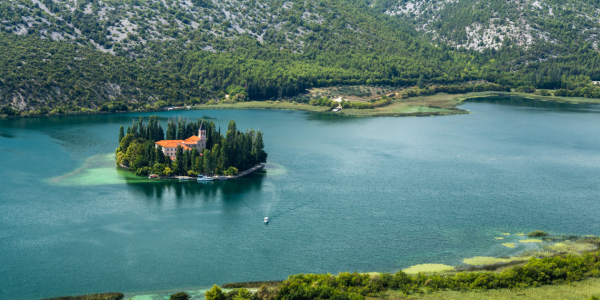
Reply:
x=171, y=132
x=206, y=160
x=160, y=156
x=199, y=165
x=160, y=135
x=179, y=158
x=194, y=157
x=214, y=158
x=261, y=155
x=121, y=133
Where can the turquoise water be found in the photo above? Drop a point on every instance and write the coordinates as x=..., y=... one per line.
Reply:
x=344, y=194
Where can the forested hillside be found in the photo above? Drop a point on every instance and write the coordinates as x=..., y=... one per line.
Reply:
x=68, y=55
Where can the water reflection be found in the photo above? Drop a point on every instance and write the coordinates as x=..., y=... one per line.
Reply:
x=192, y=191
x=332, y=118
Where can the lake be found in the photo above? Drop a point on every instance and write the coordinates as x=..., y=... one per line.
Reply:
x=343, y=194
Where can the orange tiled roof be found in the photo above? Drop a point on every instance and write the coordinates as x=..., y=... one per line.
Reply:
x=185, y=147
x=169, y=143
x=193, y=138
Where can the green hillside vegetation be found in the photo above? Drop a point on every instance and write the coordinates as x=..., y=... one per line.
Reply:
x=119, y=55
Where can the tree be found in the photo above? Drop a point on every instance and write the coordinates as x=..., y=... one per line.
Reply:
x=215, y=293
x=231, y=126
x=179, y=296
x=158, y=169
x=214, y=158
x=121, y=133
x=261, y=155
x=193, y=158
x=160, y=156
x=207, y=161
x=231, y=171
x=179, y=158
x=171, y=131
x=243, y=294
x=168, y=171
x=420, y=83
x=125, y=141
x=199, y=165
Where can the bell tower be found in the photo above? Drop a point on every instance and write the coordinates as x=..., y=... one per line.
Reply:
x=202, y=135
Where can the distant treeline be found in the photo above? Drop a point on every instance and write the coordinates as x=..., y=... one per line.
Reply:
x=223, y=155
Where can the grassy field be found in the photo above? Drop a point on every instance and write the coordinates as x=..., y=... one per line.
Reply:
x=581, y=290
x=433, y=105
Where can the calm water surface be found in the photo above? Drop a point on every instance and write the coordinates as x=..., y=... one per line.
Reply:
x=344, y=194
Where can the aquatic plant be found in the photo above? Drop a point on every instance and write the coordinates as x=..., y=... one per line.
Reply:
x=428, y=268
x=487, y=260
x=530, y=241
x=537, y=233
x=509, y=245
x=499, y=238
x=506, y=233
x=520, y=234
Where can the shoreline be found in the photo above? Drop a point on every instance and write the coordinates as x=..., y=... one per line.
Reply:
x=440, y=104
x=545, y=252
x=215, y=178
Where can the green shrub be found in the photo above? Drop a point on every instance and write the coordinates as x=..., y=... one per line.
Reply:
x=543, y=92
x=231, y=171
x=179, y=296
x=143, y=171
x=215, y=293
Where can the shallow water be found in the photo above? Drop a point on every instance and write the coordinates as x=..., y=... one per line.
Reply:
x=344, y=194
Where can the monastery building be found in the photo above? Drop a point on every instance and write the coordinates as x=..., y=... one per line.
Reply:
x=169, y=147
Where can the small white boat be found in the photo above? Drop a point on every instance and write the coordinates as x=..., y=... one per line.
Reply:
x=266, y=220
x=152, y=176
x=204, y=178
x=184, y=178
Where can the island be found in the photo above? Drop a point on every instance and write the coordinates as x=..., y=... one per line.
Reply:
x=189, y=149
